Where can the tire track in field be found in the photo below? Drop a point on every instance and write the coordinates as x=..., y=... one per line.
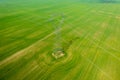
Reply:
x=78, y=69
x=93, y=62
x=82, y=51
x=94, y=59
x=104, y=49
x=110, y=30
x=19, y=31
x=20, y=53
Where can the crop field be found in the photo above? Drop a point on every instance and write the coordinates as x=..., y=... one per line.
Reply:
x=59, y=40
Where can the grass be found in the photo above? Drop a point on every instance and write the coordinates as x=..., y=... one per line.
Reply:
x=89, y=37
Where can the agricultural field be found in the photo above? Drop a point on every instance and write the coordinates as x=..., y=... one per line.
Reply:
x=55, y=40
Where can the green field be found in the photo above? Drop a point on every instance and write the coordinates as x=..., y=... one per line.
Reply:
x=31, y=31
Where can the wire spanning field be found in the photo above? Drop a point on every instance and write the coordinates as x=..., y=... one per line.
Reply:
x=89, y=39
